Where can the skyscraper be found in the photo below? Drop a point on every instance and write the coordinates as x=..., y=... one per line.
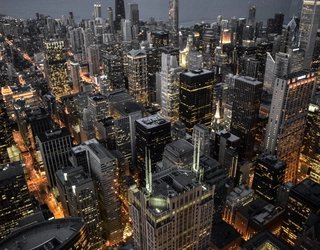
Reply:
x=245, y=111
x=287, y=119
x=110, y=20
x=97, y=10
x=93, y=59
x=252, y=16
x=56, y=68
x=309, y=23
x=119, y=13
x=134, y=13
x=75, y=76
x=200, y=134
x=138, y=75
x=174, y=22
x=55, y=148
x=15, y=199
x=196, y=93
x=169, y=87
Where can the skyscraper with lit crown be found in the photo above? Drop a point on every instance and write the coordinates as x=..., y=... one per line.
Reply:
x=174, y=22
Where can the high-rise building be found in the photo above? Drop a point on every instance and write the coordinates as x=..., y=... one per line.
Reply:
x=308, y=26
x=196, y=92
x=169, y=87
x=119, y=13
x=134, y=13
x=268, y=177
x=138, y=75
x=97, y=10
x=174, y=22
x=94, y=59
x=287, y=119
x=15, y=201
x=78, y=194
x=126, y=30
x=252, y=16
x=153, y=133
x=55, y=148
x=245, y=111
x=114, y=69
x=75, y=76
x=156, y=222
x=303, y=199
x=110, y=20
x=76, y=40
x=6, y=137
x=103, y=169
x=56, y=68
x=200, y=135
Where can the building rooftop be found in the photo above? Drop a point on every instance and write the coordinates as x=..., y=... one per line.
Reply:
x=83, y=146
x=101, y=152
x=272, y=162
x=265, y=240
x=11, y=169
x=180, y=147
x=240, y=192
x=309, y=191
x=248, y=79
x=152, y=121
x=53, y=134
x=48, y=235
x=223, y=234
x=228, y=135
x=198, y=72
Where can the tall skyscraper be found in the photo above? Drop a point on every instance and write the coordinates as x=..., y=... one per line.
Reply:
x=252, y=16
x=287, y=119
x=94, y=59
x=169, y=87
x=156, y=222
x=245, y=111
x=126, y=30
x=56, y=68
x=153, y=133
x=75, y=76
x=119, y=13
x=174, y=22
x=97, y=10
x=134, y=13
x=15, y=199
x=303, y=199
x=103, y=169
x=110, y=20
x=200, y=134
x=55, y=148
x=309, y=23
x=196, y=93
x=138, y=75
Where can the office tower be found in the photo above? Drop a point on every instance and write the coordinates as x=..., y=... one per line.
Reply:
x=196, y=92
x=309, y=156
x=183, y=56
x=275, y=68
x=16, y=201
x=171, y=191
x=50, y=26
x=245, y=111
x=278, y=23
x=76, y=41
x=55, y=148
x=110, y=20
x=103, y=169
x=88, y=38
x=114, y=69
x=200, y=134
x=178, y=153
x=257, y=216
x=238, y=197
x=268, y=177
x=194, y=60
x=153, y=133
x=6, y=137
x=159, y=38
x=174, y=22
x=87, y=130
x=79, y=199
x=60, y=234
x=226, y=151
x=252, y=16
x=94, y=59
x=98, y=106
x=97, y=10
x=119, y=13
x=138, y=75
x=287, y=119
x=134, y=13
x=178, y=130
x=55, y=67
x=309, y=23
x=75, y=76
x=283, y=194
x=261, y=55
x=264, y=240
x=224, y=236
x=307, y=239
x=126, y=30
x=169, y=87
x=249, y=66
x=303, y=200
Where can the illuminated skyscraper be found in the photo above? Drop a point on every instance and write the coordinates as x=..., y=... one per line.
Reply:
x=170, y=82
x=56, y=68
x=196, y=93
x=119, y=13
x=174, y=23
x=138, y=75
x=287, y=119
x=15, y=199
x=245, y=111
x=93, y=59
x=309, y=23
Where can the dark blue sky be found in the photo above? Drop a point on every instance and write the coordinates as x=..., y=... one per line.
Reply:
x=190, y=10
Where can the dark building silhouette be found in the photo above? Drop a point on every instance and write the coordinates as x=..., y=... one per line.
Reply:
x=119, y=13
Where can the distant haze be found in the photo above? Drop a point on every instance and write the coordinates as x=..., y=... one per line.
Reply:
x=190, y=10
